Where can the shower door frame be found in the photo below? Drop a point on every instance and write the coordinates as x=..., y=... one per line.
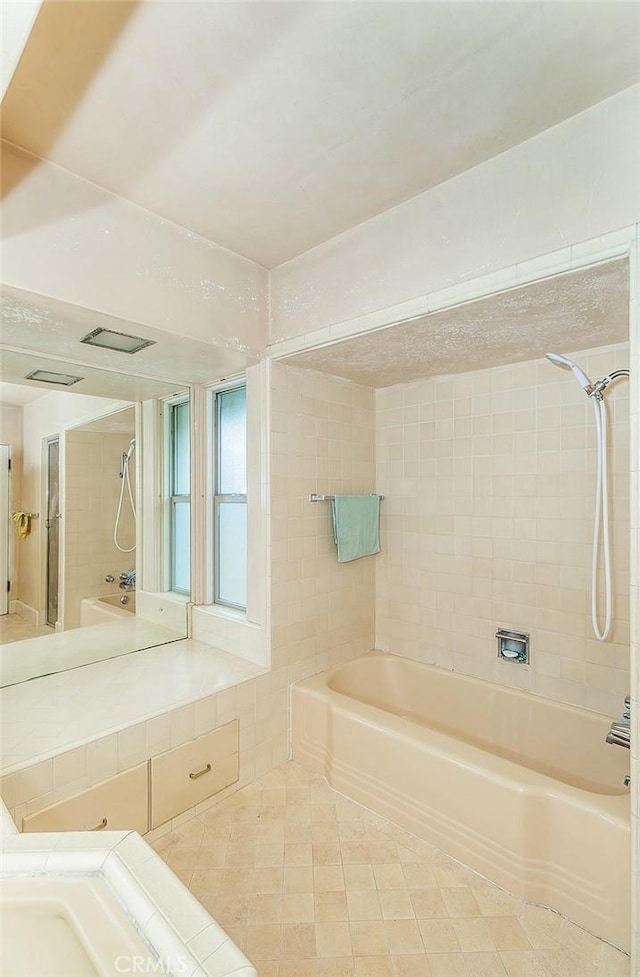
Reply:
x=52, y=522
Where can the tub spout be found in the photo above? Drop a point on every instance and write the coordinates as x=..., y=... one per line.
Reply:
x=620, y=731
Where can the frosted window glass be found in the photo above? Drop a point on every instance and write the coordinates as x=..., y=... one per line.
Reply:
x=232, y=553
x=232, y=442
x=181, y=546
x=181, y=480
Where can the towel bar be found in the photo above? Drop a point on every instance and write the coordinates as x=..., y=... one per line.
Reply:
x=29, y=515
x=328, y=498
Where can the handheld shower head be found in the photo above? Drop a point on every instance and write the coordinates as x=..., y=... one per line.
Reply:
x=130, y=449
x=559, y=360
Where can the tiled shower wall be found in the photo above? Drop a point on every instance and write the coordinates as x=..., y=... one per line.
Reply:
x=489, y=484
x=322, y=440
x=92, y=489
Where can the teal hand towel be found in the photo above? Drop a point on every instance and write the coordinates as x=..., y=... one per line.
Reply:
x=355, y=526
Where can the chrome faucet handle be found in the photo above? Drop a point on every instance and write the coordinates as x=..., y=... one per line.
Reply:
x=109, y=578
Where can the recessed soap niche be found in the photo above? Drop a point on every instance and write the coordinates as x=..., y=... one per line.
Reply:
x=513, y=646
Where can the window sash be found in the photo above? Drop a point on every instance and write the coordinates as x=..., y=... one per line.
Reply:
x=179, y=554
x=221, y=579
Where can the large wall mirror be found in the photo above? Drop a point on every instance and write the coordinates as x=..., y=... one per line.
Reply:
x=95, y=504
x=95, y=522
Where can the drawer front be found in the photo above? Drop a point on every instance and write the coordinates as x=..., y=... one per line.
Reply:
x=119, y=804
x=187, y=775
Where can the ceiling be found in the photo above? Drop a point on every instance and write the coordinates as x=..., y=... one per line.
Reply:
x=581, y=310
x=271, y=127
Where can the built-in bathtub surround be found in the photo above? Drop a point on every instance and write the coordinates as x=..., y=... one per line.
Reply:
x=488, y=480
x=116, y=909
x=521, y=788
x=322, y=441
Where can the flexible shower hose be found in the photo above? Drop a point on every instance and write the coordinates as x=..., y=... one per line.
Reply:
x=601, y=524
x=125, y=478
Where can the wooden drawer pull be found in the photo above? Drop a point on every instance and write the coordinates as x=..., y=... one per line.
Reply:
x=200, y=773
x=99, y=827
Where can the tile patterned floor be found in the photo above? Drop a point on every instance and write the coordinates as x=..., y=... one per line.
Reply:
x=310, y=884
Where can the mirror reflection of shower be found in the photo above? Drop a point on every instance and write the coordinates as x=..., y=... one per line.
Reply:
x=125, y=459
x=595, y=393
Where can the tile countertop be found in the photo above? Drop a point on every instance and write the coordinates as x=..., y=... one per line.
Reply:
x=181, y=934
x=42, y=717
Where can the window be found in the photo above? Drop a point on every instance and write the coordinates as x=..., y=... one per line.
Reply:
x=179, y=497
x=230, y=498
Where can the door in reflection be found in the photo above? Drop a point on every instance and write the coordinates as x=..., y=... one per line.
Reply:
x=53, y=528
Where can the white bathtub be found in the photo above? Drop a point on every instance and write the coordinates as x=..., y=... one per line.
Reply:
x=99, y=610
x=521, y=788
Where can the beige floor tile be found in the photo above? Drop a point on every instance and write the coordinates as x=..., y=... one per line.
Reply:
x=310, y=884
x=484, y=965
x=270, y=834
x=330, y=907
x=298, y=907
x=507, y=933
x=403, y=936
x=205, y=881
x=369, y=939
x=418, y=876
x=264, y=909
x=359, y=877
x=297, y=940
x=447, y=965
x=525, y=963
x=338, y=967
x=326, y=855
x=363, y=904
x=267, y=879
x=374, y=967
x=333, y=939
x=411, y=965
x=298, y=878
x=263, y=943
x=428, y=903
x=474, y=934
x=328, y=878
x=389, y=877
x=297, y=854
x=460, y=901
x=396, y=904
x=296, y=968
x=355, y=853
x=438, y=936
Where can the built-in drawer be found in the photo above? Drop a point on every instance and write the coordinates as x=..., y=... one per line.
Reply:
x=189, y=774
x=119, y=804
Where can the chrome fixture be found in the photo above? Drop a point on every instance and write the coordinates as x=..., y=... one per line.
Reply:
x=109, y=578
x=601, y=521
x=591, y=389
x=125, y=599
x=313, y=497
x=620, y=731
x=127, y=580
x=121, y=342
x=513, y=646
